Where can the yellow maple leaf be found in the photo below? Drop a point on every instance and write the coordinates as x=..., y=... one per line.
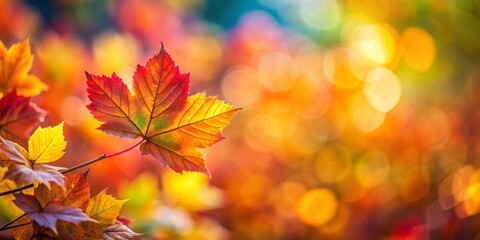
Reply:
x=25, y=167
x=47, y=144
x=15, y=63
x=104, y=208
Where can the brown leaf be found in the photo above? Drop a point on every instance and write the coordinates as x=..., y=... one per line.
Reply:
x=11, y=152
x=49, y=215
x=119, y=231
x=42, y=173
x=25, y=231
x=74, y=193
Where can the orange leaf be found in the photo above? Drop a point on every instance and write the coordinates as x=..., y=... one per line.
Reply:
x=74, y=193
x=172, y=124
x=15, y=63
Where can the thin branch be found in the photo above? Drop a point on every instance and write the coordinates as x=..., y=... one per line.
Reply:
x=101, y=157
x=14, y=226
x=16, y=190
x=4, y=227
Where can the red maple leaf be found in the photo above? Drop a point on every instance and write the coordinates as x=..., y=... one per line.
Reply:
x=18, y=116
x=172, y=124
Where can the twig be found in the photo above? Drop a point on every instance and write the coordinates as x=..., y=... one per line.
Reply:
x=14, y=226
x=5, y=227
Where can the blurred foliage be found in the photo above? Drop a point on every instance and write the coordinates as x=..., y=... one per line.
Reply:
x=360, y=117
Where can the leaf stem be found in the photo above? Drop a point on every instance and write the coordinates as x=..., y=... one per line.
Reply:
x=103, y=156
x=125, y=150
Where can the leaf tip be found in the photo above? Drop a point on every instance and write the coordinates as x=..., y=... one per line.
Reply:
x=25, y=43
x=85, y=174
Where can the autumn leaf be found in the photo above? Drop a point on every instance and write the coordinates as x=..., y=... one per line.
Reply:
x=24, y=231
x=198, y=125
x=44, y=196
x=11, y=152
x=93, y=230
x=77, y=191
x=7, y=208
x=18, y=117
x=45, y=145
x=104, y=207
x=42, y=173
x=15, y=64
x=66, y=204
x=172, y=124
x=5, y=184
x=86, y=231
x=118, y=231
x=65, y=231
x=74, y=193
x=48, y=215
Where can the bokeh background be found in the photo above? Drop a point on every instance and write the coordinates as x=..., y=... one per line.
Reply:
x=360, y=117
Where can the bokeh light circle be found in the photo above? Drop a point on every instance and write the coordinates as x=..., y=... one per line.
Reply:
x=382, y=89
x=363, y=116
x=241, y=86
x=375, y=43
x=317, y=207
x=320, y=15
x=372, y=168
x=340, y=68
x=277, y=72
x=333, y=163
x=418, y=48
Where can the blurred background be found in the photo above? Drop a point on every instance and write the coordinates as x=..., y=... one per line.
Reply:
x=360, y=117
